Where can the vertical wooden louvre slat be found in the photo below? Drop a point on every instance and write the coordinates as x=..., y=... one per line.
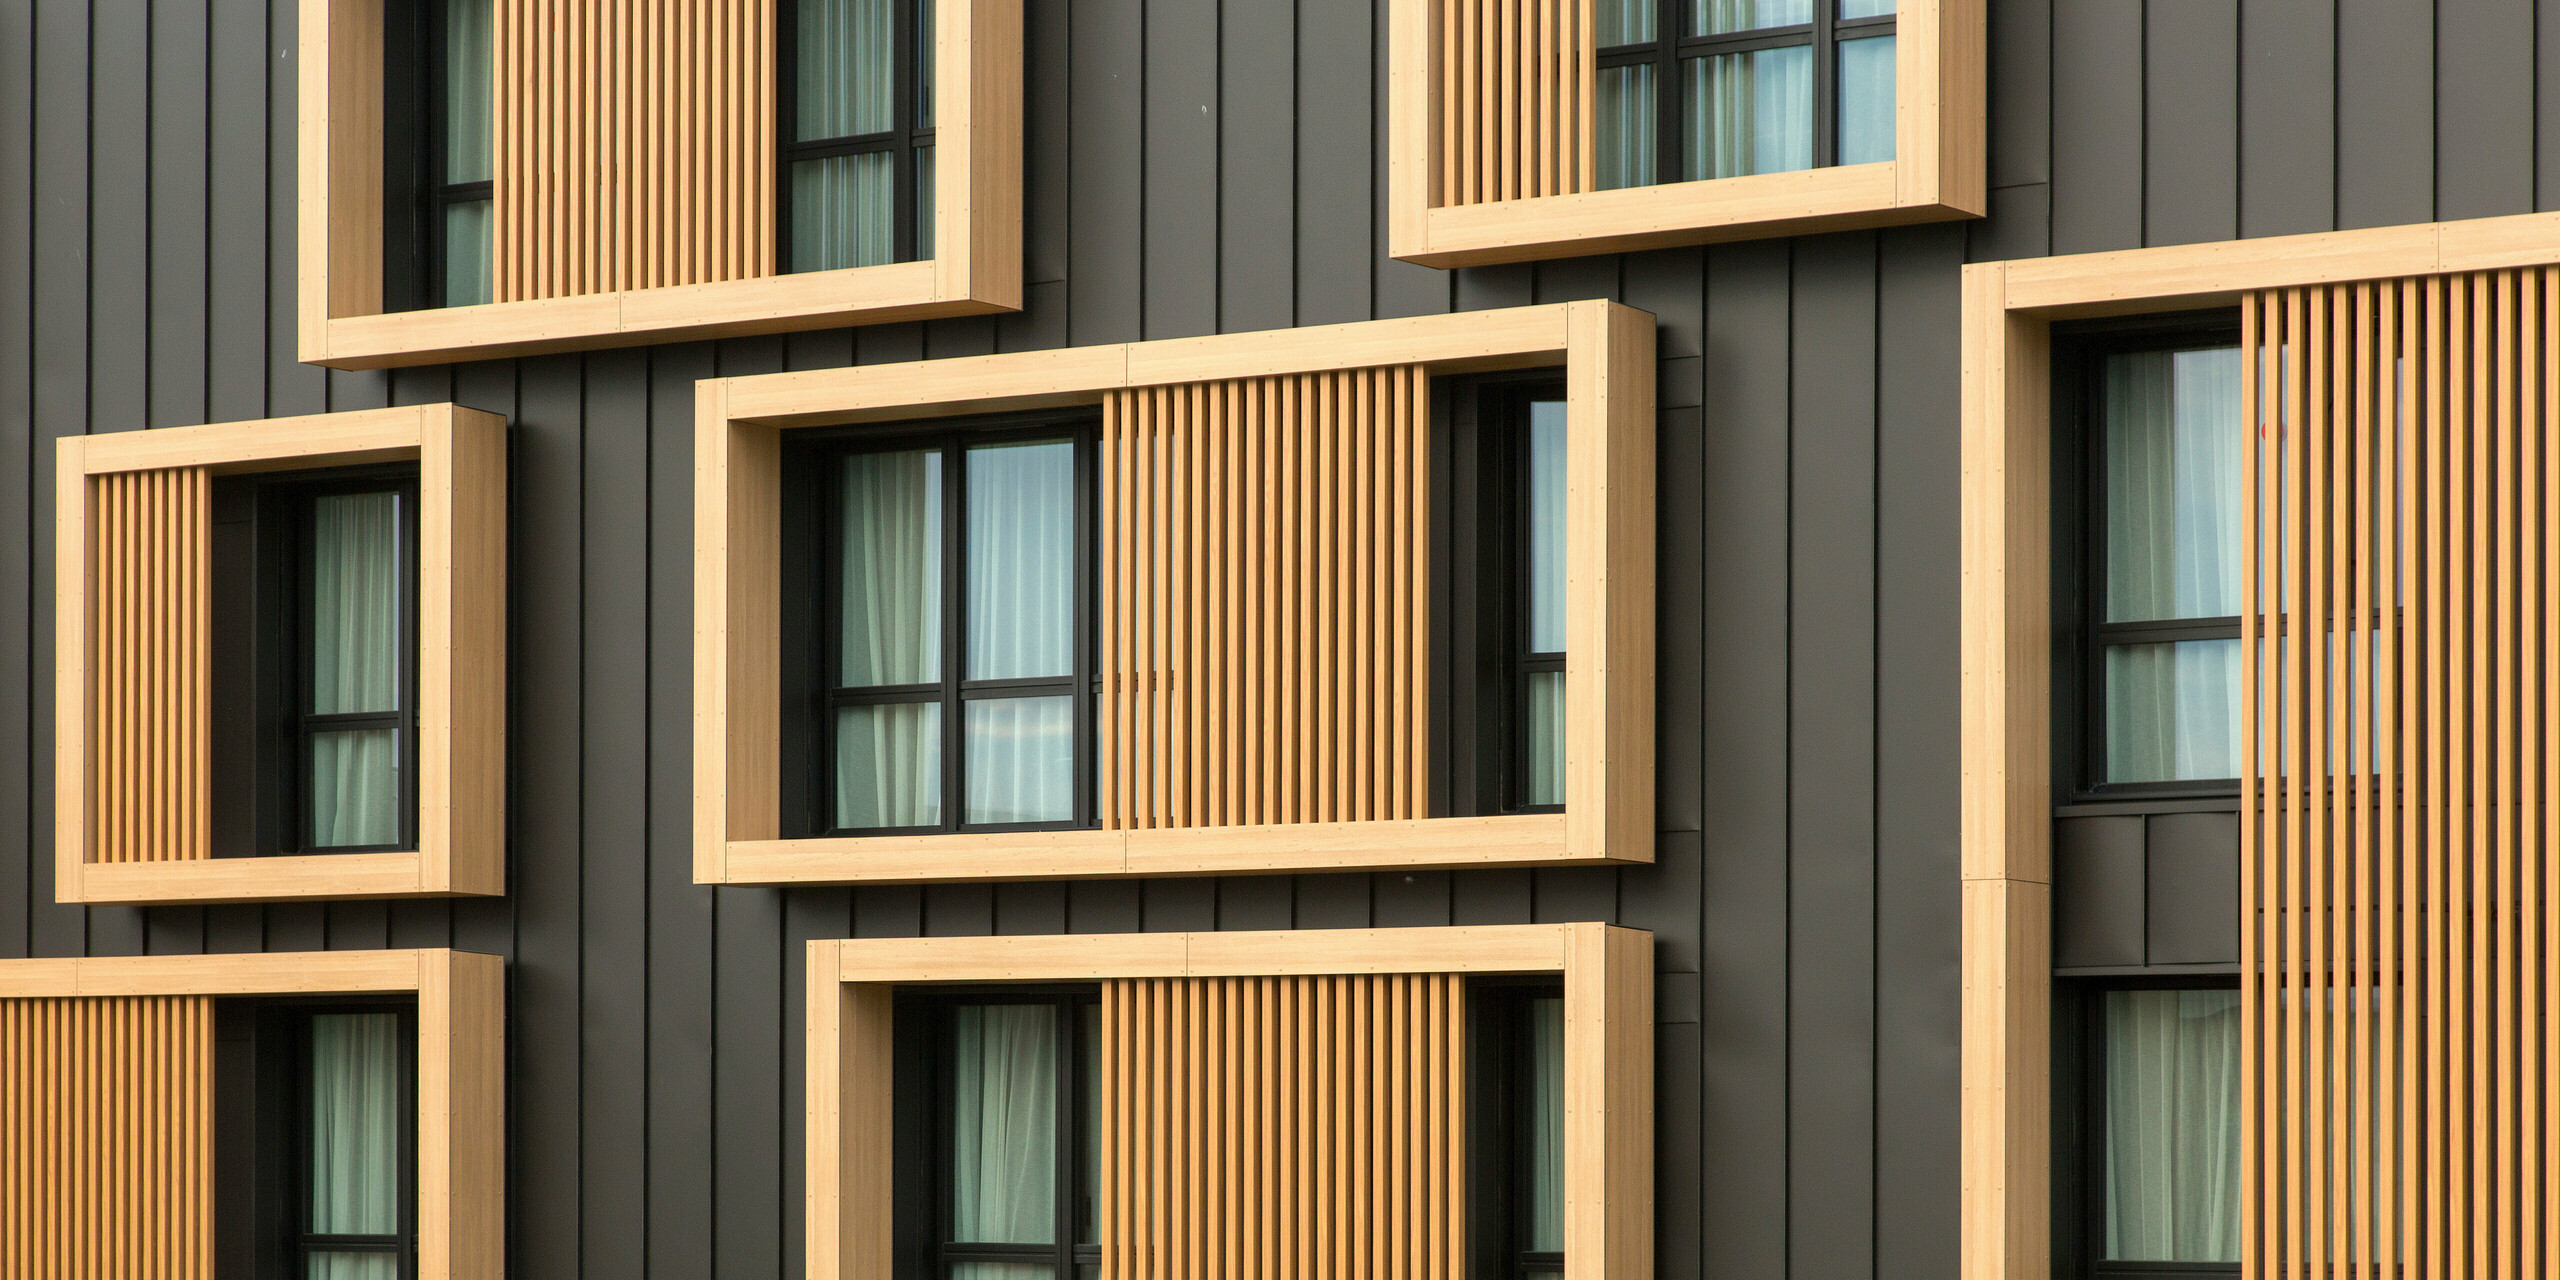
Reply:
x=150, y=652
x=1263, y=622
x=634, y=147
x=1260, y=1128
x=2401, y=1052
x=106, y=1127
x=1516, y=99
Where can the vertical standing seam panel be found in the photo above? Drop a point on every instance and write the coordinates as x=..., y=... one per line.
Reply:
x=2398, y=832
x=106, y=1114
x=1263, y=639
x=1516, y=84
x=150, y=655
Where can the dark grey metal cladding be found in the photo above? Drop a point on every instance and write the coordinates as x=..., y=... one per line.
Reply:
x=1220, y=167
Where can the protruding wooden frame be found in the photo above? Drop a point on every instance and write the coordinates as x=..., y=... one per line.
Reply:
x=1608, y=1039
x=1937, y=172
x=977, y=221
x=2008, y=647
x=1607, y=352
x=462, y=654
x=462, y=1063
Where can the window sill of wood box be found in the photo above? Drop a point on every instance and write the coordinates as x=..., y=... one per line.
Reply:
x=293, y=877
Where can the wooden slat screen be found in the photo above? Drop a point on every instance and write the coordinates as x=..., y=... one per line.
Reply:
x=106, y=1127
x=2402, y=1053
x=634, y=144
x=150, y=657
x=1516, y=98
x=1260, y=1128
x=1263, y=618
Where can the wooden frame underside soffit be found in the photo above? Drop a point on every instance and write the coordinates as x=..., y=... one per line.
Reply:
x=461, y=1175
x=1938, y=172
x=1607, y=355
x=2008, y=791
x=461, y=664
x=1608, y=1050
x=977, y=217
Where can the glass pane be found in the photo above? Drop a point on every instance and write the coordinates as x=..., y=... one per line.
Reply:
x=1022, y=569
x=1714, y=17
x=924, y=204
x=1625, y=22
x=924, y=63
x=355, y=787
x=1546, y=526
x=1750, y=112
x=1627, y=146
x=892, y=572
x=2173, y=444
x=889, y=765
x=843, y=212
x=1866, y=100
x=1866, y=8
x=1003, y=1271
x=355, y=1123
x=466, y=90
x=355, y=603
x=1546, y=1125
x=466, y=253
x=352, y=1266
x=1021, y=759
x=1546, y=738
x=847, y=52
x=2172, y=1140
x=2173, y=711
x=1004, y=1118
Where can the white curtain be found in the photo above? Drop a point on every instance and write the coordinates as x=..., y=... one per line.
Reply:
x=467, y=144
x=355, y=1123
x=1022, y=579
x=1866, y=99
x=847, y=78
x=1546, y=737
x=355, y=666
x=889, y=765
x=1546, y=1125
x=1021, y=759
x=844, y=211
x=2173, y=711
x=2172, y=1141
x=1546, y=526
x=1005, y=1124
x=1625, y=143
x=1715, y=17
x=352, y=1266
x=2173, y=448
x=1866, y=8
x=892, y=584
x=466, y=253
x=1624, y=22
x=1750, y=112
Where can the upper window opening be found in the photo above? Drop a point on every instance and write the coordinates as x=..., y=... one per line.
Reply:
x=2164, y=1158
x=1516, y=1193
x=1015, y=1142
x=1696, y=89
x=440, y=196
x=857, y=164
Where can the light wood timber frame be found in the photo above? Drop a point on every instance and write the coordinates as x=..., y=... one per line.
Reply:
x=2008, y=793
x=461, y=646
x=461, y=1174
x=1607, y=354
x=1482, y=173
x=1608, y=992
x=625, y=258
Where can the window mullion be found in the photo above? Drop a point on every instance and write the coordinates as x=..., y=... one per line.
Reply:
x=1826, y=89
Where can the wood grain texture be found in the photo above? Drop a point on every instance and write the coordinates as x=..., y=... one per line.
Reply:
x=1262, y=623
x=1515, y=93
x=1284, y=1127
x=150, y=625
x=2397, y=834
x=106, y=1138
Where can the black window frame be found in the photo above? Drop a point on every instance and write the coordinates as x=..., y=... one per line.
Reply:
x=2081, y=1104
x=923, y=1162
x=1500, y=1058
x=819, y=460
x=906, y=134
x=286, y=561
x=280, y=1095
x=415, y=195
x=2079, y=355
x=1672, y=46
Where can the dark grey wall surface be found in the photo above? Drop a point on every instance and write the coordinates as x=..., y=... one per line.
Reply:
x=1204, y=165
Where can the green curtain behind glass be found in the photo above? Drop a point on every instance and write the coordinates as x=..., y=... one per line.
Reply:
x=355, y=667
x=468, y=142
x=355, y=1139
x=2171, y=1154
x=1004, y=1092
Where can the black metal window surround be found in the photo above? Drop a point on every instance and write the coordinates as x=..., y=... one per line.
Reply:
x=2149, y=1099
x=2133, y=394
x=336, y=1203
x=957, y=1047
x=301, y=715
x=439, y=193
x=980, y=759
x=1514, y=1128
x=857, y=113
x=1662, y=51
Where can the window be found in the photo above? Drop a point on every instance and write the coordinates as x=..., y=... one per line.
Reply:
x=1505, y=562
x=1693, y=89
x=2161, y=583
x=328, y=1168
x=1541, y=643
x=2161, y=1133
x=439, y=202
x=857, y=155
x=1011, y=1145
x=1516, y=1128
x=953, y=676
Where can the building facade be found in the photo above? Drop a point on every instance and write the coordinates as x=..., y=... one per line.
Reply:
x=1439, y=638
